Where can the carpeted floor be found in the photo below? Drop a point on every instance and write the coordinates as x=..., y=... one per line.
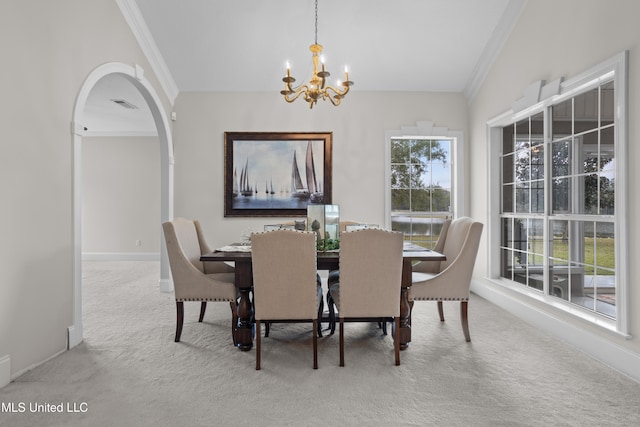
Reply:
x=129, y=372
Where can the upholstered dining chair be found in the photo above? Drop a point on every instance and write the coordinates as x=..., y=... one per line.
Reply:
x=334, y=275
x=194, y=280
x=284, y=282
x=450, y=280
x=370, y=280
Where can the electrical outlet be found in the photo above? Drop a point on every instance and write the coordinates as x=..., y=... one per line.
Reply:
x=138, y=242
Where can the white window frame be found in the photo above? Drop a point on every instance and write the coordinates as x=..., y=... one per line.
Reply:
x=616, y=67
x=426, y=130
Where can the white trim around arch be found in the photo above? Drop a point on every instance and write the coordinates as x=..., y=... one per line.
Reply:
x=134, y=74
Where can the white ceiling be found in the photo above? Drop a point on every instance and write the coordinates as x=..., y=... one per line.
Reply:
x=388, y=45
x=243, y=45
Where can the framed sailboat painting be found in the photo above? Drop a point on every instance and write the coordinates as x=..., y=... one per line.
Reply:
x=276, y=173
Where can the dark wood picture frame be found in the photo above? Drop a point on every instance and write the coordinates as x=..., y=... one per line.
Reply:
x=260, y=178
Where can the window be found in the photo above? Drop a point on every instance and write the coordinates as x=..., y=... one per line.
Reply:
x=420, y=187
x=560, y=200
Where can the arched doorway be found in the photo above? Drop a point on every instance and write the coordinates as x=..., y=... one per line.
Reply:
x=135, y=75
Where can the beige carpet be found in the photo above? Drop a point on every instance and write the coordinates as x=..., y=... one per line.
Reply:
x=129, y=372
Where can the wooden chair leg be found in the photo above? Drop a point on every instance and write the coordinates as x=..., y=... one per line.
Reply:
x=396, y=343
x=257, y=345
x=320, y=313
x=341, y=341
x=203, y=308
x=332, y=313
x=465, y=320
x=234, y=322
x=441, y=311
x=315, y=345
x=179, y=319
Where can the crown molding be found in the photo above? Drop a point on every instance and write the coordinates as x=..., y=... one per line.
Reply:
x=141, y=32
x=493, y=48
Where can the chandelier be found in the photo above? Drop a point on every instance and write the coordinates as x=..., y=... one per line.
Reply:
x=317, y=87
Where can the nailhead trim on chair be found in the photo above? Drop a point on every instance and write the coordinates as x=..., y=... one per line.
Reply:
x=203, y=299
x=439, y=299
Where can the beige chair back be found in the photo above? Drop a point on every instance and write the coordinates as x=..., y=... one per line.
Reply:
x=182, y=241
x=463, y=233
x=370, y=273
x=284, y=275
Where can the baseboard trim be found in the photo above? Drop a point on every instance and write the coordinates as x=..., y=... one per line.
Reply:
x=596, y=346
x=165, y=285
x=74, y=337
x=5, y=370
x=121, y=256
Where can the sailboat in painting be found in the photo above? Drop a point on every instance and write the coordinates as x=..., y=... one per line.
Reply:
x=315, y=193
x=297, y=187
x=236, y=187
x=245, y=188
x=312, y=191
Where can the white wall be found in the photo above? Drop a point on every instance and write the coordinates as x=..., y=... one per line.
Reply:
x=560, y=39
x=48, y=49
x=120, y=196
x=358, y=127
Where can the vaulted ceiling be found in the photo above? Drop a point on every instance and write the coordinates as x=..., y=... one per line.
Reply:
x=388, y=45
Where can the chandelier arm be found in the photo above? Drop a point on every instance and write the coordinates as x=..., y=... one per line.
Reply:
x=337, y=91
x=300, y=90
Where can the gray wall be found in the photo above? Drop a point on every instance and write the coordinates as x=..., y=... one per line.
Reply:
x=358, y=127
x=120, y=196
x=48, y=50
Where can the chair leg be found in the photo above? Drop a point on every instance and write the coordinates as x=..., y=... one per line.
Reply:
x=203, y=308
x=234, y=322
x=332, y=313
x=441, y=311
x=465, y=320
x=315, y=345
x=267, y=329
x=342, y=341
x=320, y=313
x=257, y=345
x=396, y=343
x=179, y=319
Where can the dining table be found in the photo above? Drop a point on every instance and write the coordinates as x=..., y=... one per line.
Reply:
x=240, y=255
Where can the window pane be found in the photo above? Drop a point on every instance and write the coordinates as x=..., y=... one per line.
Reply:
x=400, y=151
x=507, y=198
x=562, y=115
x=507, y=168
x=606, y=104
x=537, y=162
x=586, y=111
x=523, y=165
x=560, y=200
x=522, y=134
x=559, y=244
x=399, y=176
x=522, y=197
x=400, y=200
x=537, y=196
x=536, y=241
x=507, y=139
x=590, y=185
x=560, y=158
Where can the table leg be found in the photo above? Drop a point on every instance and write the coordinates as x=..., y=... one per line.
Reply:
x=244, y=282
x=405, y=308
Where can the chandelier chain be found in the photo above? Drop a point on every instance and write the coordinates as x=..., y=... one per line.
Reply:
x=316, y=39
